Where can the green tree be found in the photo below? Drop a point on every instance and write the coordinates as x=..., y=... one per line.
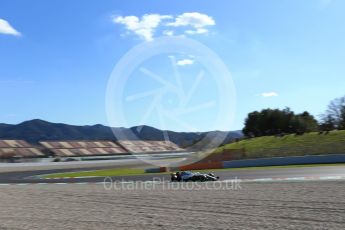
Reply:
x=342, y=118
x=334, y=118
x=275, y=121
x=328, y=123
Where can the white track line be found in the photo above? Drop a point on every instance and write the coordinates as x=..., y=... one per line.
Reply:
x=60, y=178
x=309, y=178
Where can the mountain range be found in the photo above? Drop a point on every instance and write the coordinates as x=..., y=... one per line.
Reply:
x=37, y=130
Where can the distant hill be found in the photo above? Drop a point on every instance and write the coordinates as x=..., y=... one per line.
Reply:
x=37, y=130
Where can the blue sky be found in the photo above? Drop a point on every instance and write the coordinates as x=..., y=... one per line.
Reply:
x=56, y=57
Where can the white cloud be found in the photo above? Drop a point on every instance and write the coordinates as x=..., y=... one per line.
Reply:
x=168, y=32
x=195, y=20
x=144, y=27
x=197, y=31
x=6, y=28
x=185, y=62
x=269, y=94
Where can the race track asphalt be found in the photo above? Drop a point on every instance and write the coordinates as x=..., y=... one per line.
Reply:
x=316, y=171
x=63, y=204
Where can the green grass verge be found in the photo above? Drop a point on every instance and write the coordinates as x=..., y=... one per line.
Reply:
x=98, y=173
x=128, y=172
x=290, y=145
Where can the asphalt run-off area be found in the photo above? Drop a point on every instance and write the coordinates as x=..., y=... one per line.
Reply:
x=273, y=198
x=30, y=176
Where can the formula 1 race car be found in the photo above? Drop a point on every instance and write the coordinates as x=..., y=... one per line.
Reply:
x=186, y=176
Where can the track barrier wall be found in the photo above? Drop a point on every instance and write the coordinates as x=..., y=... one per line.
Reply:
x=153, y=170
x=281, y=161
x=200, y=166
x=274, y=161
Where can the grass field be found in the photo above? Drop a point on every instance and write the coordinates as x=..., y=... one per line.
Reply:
x=98, y=173
x=291, y=145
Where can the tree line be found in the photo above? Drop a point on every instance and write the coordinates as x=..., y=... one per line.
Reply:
x=279, y=122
